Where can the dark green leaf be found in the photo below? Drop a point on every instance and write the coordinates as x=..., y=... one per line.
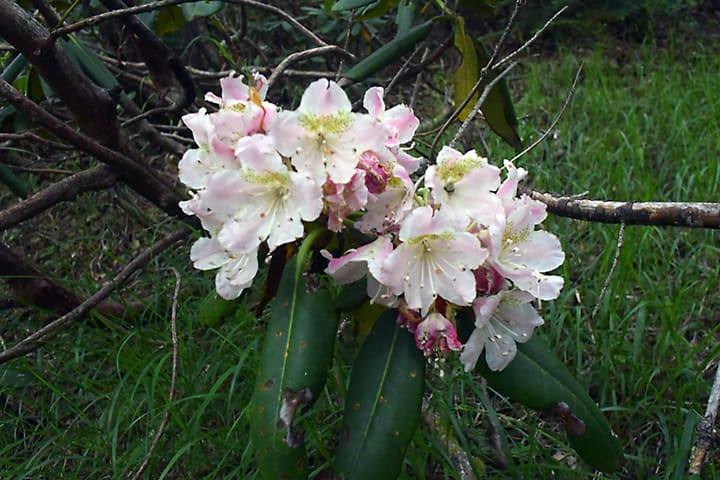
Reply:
x=89, y=63
x=389, y=52
x=480, y=7
x=296, y=355
x=381, y=8
x=382, y=409
x=405, y=16
x=213, y=310
x=537, y=379
x=13, y=182
x=349, y=4
x=201, y=8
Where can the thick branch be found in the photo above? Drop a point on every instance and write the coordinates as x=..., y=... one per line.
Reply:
x=145, y=180
x=681, y=214
x=91, y=105
x=31, y=287
x=36, y=340
x=96, y=178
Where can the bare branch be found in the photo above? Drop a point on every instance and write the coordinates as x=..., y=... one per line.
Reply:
x=680, y=214
x=37, y=339
x=142, y=178
x=704, y=431
x=565, y=104
x=90, y=21
x=96, y=178
x=311, y=52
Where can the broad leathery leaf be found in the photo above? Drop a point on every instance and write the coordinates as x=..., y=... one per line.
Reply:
x=407, y=10
x=11, y=72
x=468, y=72
x=383, y=405
x=349, y=4
x=201, y=8
x=296, y=355
x=537, y=379
x=389, y=52
x=89, y=63
x=382, y=7
x=497, y=108
x=169, y=19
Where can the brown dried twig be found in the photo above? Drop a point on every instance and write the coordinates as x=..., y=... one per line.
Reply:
x=38, y=338
x=173, y=377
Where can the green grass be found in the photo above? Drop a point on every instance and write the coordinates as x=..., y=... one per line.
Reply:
x=89, y=404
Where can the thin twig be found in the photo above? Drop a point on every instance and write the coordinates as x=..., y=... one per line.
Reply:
x=532, y=39
x=621, y=235
x=90, y=21
x=173, y=378
x=479, y=103
x=311, y=52
x=37, y=339
x=557, y=117
x=704, y=431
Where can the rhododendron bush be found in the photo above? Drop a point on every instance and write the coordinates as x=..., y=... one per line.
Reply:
x=433, y=240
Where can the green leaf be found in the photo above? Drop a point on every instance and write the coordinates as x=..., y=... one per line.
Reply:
x=350, y=4
x=469, y=70
x=11, y=180
x=213, y=309
x=296, y=355
x=382, y=409
x=89, y=63
x=405, y=16
x=537, y=379
x=382, y=7
x=497, y=107
x=201, y=8
x=169, y=19
x=389, y=52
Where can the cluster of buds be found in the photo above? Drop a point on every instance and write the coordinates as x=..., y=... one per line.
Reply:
x=458, y=236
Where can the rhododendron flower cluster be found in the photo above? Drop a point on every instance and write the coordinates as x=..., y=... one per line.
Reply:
x=459, y=236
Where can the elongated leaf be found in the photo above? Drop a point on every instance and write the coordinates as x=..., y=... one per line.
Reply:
x=169, y=19
x=537, y=379
x=497, y=107
x=296, y=355
x=407, y=10
x=89, y=63
x=349, y=4
x=201, y=8
x=13, y=182
x=382, y=409
x=389, y=52
x=381, y=8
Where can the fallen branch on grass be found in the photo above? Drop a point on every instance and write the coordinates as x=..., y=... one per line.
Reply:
x=37, y=339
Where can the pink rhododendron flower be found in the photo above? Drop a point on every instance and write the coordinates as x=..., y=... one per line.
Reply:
x=400, y=123
x=386, y=210
x=464, y=185
x=358, y=262
x=269, y=200
x=436, y=333
x=518, y=251
x=323, y=137
x=343, y=199
x=501, y=321
x=237, y=271
x=197, y=164
x=436, y=258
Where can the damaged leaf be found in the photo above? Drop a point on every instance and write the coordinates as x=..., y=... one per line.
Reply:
x=296, y=355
